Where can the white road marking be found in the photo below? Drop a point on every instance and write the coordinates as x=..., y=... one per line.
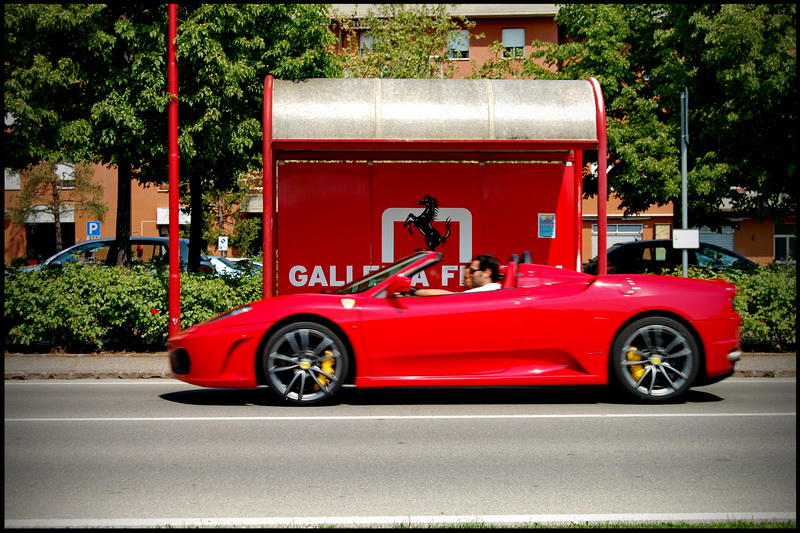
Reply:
x=408, y=521
x=323, y=418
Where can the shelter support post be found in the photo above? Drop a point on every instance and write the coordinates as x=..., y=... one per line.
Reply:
x=602, y=180
x=269, y=179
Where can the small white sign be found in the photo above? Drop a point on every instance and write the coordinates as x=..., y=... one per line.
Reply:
x=685, y=238
x=222, y=243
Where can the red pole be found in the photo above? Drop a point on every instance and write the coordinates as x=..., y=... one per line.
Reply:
x=602, y=180
x=174, y=290
x=268, y=160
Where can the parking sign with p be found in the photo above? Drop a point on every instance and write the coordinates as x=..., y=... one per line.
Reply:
x=93, y=229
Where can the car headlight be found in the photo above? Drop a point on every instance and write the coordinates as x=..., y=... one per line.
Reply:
x=227, y=314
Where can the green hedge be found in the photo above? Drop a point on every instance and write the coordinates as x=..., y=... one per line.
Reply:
x=766, y=298
x=86, y=309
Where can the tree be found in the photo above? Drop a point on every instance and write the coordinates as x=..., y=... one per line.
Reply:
x=403, y=41
x=85, y=83
x=738, y=62
x=52, y=188
x=89, y=83
x=227, y=51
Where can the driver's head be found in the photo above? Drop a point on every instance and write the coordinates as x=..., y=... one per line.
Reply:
x=482, y=270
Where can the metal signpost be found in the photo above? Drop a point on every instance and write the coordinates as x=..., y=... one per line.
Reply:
x=685, y=238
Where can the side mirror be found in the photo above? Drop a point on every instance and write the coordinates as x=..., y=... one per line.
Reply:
x=397, y=285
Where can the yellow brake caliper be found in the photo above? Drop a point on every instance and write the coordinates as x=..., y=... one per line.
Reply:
x=637, y=371
x=327, y=367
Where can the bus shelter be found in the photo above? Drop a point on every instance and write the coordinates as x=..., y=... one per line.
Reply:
x=360, y=172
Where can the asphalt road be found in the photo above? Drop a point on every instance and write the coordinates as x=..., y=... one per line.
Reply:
x=148, y=453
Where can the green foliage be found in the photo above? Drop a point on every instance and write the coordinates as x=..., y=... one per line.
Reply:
x=223, y=216
x=408, y=41
x=245, y=234
x=766, y=298
x=224, y=53
x=739, y=65
x=80, y=308
x=89, y=83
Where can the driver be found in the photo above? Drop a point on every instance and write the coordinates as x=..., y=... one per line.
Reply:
x=483, y=274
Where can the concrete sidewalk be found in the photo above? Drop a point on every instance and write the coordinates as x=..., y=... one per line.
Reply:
x=156, y=365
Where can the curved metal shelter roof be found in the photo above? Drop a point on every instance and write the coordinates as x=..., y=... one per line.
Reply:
x=418, y=110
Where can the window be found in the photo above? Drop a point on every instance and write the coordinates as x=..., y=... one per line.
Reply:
x=147, y=253
x=714, y=257
x=786, y=243
x=66, y=175
x=662, y=231
x=458, y=44
x=88, y=254
x=12, y=181
x=365, y=43
x=97, y=253
x=617, y=233
x=514, y=43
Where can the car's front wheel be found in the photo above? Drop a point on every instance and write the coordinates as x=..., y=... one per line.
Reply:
x=655, y=358
x=305, y=363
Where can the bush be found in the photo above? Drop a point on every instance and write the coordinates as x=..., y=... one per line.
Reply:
x=766, y=298
x=19, y=262
x=87, y=309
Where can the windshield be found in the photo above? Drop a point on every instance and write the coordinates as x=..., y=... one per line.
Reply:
x=226, y=262
x=379, y=276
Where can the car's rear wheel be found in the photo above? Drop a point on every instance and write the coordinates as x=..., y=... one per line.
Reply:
x=655, y=358
x=305, y=363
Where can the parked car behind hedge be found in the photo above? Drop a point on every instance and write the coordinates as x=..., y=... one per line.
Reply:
x=653, y=256
x=146, y=251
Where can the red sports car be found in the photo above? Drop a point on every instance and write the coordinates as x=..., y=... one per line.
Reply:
x=653, y=336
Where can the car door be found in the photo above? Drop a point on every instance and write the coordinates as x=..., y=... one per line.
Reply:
x=460, y=334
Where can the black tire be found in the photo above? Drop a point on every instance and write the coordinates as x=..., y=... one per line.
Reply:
x=305, y=363
x=655, y=358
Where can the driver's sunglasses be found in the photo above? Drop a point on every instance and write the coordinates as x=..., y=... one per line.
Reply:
x=473, y=270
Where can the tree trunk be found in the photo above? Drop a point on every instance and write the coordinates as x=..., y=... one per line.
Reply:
x=57, y=216
x=196, y=225
x=124, y=179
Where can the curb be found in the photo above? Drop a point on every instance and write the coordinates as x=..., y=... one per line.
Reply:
x=20, y=367
x=10, y=376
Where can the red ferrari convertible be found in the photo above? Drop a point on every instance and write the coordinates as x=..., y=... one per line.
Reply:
x=652, y=336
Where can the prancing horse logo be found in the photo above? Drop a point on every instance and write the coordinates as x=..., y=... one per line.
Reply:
x=424, y=223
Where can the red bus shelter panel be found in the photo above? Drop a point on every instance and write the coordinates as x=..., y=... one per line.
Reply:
x=323, y=225
x=338, y=221
x=531, y=207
